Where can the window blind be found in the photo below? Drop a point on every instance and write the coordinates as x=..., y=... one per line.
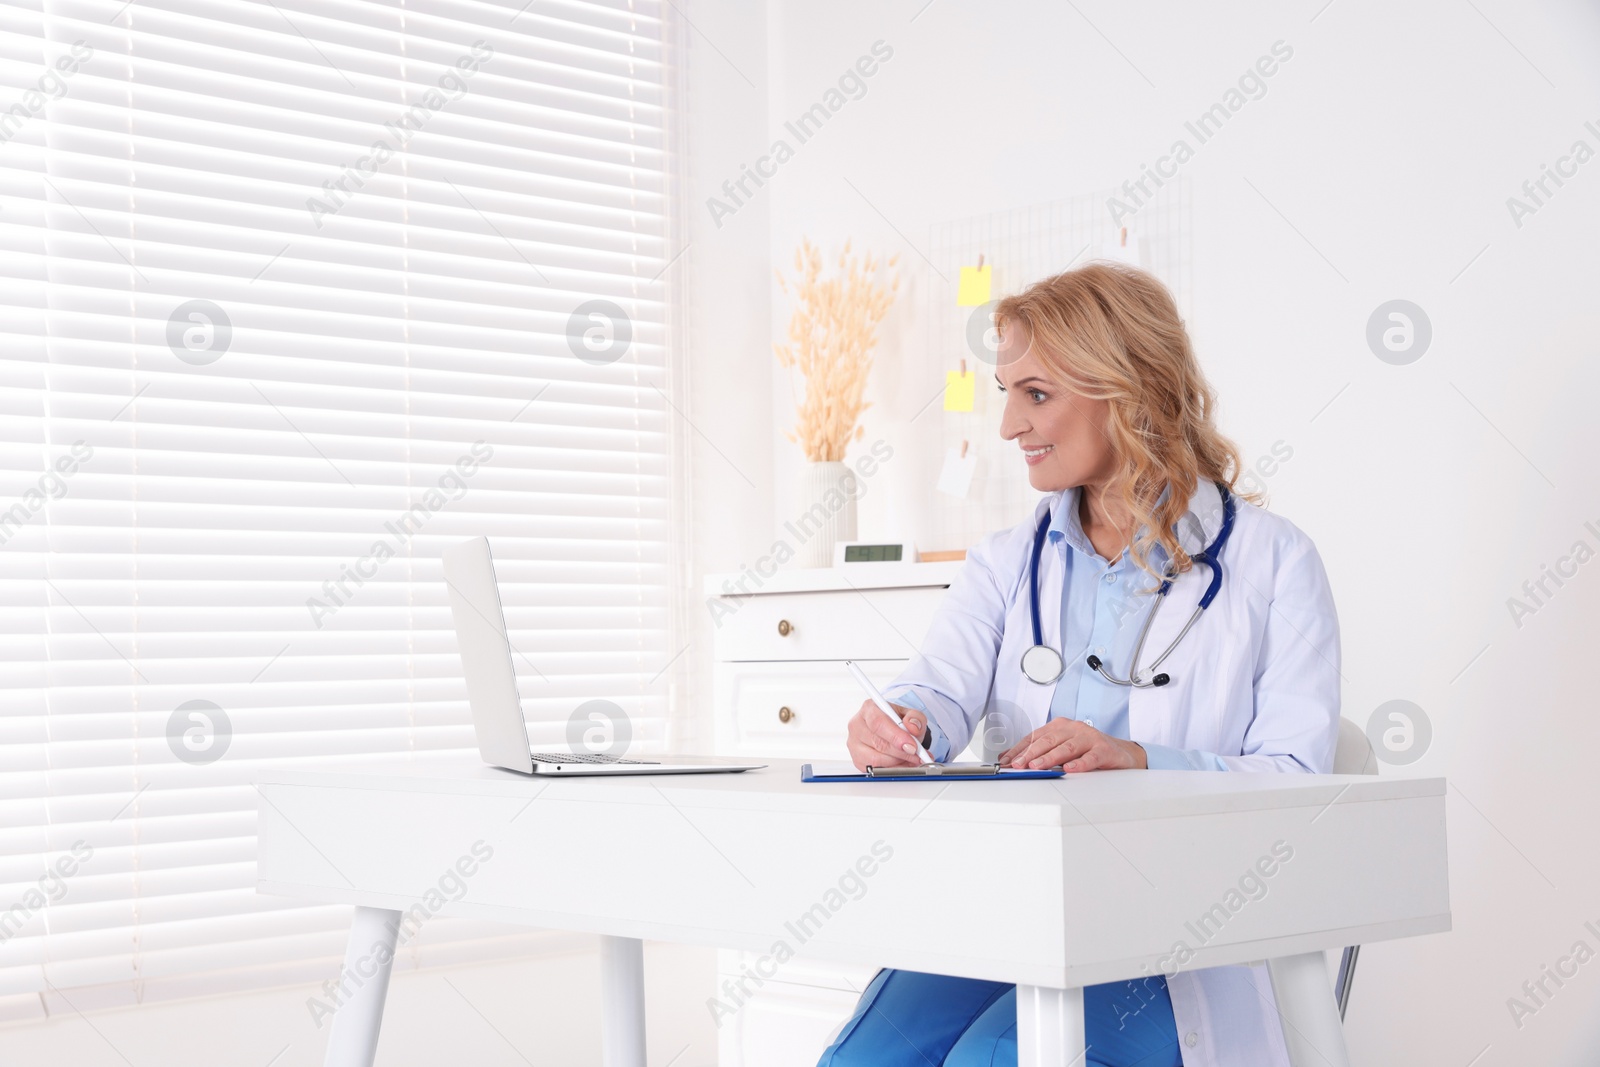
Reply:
x=295, y=294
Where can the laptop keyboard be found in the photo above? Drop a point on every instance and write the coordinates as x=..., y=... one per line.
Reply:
x=584, y=757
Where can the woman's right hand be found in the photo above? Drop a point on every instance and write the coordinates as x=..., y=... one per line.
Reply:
x=873, y=739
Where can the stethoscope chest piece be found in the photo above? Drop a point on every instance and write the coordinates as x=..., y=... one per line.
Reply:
x=1042, y=664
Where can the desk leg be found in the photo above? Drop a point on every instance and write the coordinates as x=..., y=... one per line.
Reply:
x=622, y=1001
x=1049, y=1026
x=1310, y=1015
x=367, y=961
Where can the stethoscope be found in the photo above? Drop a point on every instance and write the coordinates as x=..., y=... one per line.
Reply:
x=1043, y=665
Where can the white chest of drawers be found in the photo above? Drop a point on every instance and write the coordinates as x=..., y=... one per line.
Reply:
x=781, y=690
x=780, y=685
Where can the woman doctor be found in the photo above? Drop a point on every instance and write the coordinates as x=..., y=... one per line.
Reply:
x=1038, y=646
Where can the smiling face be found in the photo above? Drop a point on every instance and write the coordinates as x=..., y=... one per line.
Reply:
x=1061, y=433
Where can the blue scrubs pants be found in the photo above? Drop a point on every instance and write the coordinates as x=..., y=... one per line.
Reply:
x=911, y=1019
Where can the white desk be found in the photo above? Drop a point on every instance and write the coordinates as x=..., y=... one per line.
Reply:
x=1092, y=878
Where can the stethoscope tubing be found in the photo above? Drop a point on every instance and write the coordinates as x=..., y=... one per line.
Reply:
x=1211, y=557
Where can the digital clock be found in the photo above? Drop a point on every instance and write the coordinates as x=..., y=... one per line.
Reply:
x=874, y=552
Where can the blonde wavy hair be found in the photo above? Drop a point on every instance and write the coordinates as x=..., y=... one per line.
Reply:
x=1112, y=332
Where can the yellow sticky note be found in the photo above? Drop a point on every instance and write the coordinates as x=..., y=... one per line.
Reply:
x=958, y=390
x=974, y=288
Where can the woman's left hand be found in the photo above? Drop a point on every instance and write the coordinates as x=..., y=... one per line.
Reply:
x=1073, y=746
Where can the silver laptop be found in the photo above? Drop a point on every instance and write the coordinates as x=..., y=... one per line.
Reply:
x=492, y=684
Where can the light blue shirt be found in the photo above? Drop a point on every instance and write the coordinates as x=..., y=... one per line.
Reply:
x=1103, y=607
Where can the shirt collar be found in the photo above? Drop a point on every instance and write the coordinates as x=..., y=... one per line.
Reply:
x=1196, y=528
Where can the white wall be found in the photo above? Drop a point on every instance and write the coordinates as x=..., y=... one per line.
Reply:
x=1387, y=147
x=724, y=276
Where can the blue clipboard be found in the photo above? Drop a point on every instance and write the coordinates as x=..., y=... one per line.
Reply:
x=933, y=772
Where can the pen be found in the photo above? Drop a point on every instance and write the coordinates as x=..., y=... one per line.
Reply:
x=883, y=706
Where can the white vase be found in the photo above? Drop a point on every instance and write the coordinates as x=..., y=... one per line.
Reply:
x=825, y=512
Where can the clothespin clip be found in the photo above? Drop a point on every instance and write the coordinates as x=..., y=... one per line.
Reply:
x=1124, y=237
x=963, y=448
x=980, y=256
x=973, y=289
x=963, y=368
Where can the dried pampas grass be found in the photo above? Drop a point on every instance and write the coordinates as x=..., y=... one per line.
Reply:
x=831, y=336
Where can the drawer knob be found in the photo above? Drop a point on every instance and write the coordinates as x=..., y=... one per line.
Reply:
x=785, y=715
x=785, y=628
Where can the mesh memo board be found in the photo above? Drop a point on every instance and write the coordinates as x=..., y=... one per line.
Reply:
x=1023, y=246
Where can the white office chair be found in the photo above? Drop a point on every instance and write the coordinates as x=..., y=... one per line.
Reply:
x=1353, y=755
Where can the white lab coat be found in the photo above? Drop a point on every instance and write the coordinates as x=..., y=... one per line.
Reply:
x=1256, y=682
